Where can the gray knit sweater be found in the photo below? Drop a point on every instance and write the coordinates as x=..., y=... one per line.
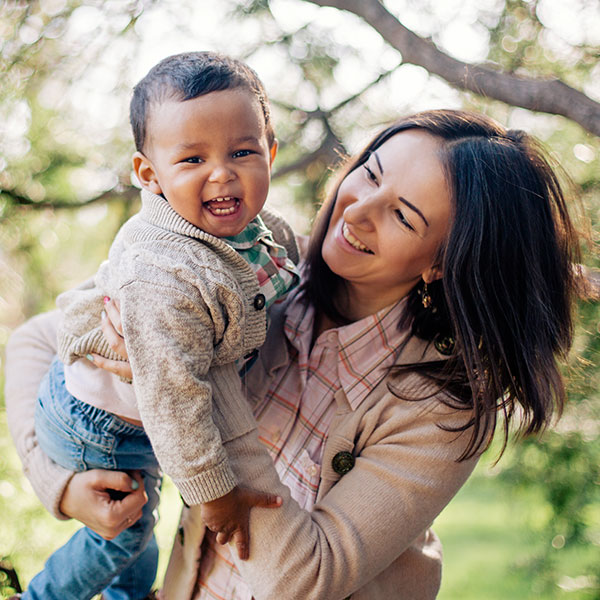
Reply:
x=190, y=307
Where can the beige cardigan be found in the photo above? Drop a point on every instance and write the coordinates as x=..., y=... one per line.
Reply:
x=367, y=537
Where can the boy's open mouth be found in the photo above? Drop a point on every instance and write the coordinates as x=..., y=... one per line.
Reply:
x=225, y=205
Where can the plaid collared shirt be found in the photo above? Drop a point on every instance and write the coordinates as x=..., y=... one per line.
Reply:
x=276, y=273
x=293, y=426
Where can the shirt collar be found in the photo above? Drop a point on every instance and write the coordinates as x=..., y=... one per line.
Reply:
x=366, y=349
x=255, y=232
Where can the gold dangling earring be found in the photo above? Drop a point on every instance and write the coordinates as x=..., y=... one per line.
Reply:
x=426, y=299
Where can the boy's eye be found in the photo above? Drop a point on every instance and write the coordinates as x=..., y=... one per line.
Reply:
x=370, y=173
x=402, y=219
x=241, y=153
x=193, y=160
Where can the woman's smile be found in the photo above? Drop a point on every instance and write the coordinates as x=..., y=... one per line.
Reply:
x=353, y=240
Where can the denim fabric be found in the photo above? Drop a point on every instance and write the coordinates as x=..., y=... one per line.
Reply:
x=81, y=437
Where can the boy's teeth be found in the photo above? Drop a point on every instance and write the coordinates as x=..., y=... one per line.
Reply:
x=216, y=210
x=353, y=241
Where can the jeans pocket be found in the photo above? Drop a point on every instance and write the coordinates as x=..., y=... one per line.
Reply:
x=57, y=441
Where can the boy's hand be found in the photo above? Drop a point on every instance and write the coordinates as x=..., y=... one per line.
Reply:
x=229, y=515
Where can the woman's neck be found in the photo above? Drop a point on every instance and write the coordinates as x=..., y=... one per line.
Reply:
x=352, y=309
x=357, y=303
x=353, y=306
x=321, y=323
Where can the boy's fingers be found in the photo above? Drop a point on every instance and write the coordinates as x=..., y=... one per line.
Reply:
x=242, y=543
x=223, y=537
x=264, y=500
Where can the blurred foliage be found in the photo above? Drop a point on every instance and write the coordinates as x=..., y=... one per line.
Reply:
x=564, y=468
x=65, y=183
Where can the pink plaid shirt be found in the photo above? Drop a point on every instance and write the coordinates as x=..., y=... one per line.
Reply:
x=294, y=417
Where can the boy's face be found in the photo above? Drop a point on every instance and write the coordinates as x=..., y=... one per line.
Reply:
x=210, y=158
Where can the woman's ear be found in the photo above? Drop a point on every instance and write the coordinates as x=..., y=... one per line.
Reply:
x=144, y=171
x=432, y=274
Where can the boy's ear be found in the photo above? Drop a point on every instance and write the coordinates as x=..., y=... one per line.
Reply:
x=273, y=151
x=144, y=171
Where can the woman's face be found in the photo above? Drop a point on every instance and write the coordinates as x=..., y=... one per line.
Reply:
x=390, y=218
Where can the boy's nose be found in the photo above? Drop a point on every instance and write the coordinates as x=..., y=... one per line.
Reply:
x=220, y=174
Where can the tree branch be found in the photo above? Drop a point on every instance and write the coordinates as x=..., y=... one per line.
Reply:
x=330, y=149
x=545, y=95
x=120, y=191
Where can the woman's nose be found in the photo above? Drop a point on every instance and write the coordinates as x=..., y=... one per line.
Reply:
x=361, y=213
x=220, y=173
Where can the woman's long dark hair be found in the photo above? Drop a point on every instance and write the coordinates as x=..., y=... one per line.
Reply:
x=503, y=307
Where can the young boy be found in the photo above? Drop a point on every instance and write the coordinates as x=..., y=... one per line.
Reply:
x=194, y=272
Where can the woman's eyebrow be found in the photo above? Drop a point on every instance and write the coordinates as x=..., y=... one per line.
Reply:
x=378, y=162
x=402, y=199
x=413, y=207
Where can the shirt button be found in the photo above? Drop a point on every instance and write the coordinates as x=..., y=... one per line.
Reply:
x=312, y=470
x=276, y=435
x=259, y=301
x=342, y=462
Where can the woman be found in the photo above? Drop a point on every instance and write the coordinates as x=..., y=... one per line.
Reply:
x=437, y=293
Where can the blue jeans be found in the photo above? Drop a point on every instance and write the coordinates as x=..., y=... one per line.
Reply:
x=81, y=437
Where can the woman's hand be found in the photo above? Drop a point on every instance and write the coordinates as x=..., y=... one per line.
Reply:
x=108, y=502
x=113, y=332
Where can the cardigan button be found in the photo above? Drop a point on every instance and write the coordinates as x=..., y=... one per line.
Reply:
x=259, y=301
x=342, y=462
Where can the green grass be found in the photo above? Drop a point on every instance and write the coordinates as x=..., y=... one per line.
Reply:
x=492, y=537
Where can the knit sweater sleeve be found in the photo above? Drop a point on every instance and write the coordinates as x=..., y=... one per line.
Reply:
x=29, y=353
x=170, y=336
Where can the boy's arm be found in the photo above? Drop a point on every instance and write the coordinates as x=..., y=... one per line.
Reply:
x=170, y=336
x=29, y=353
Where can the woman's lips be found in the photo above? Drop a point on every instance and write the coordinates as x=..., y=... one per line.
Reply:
x=354, y=241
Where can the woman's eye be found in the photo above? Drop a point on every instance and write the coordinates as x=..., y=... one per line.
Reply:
x=370, y=173
x=242, y=153
x=402, y=219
